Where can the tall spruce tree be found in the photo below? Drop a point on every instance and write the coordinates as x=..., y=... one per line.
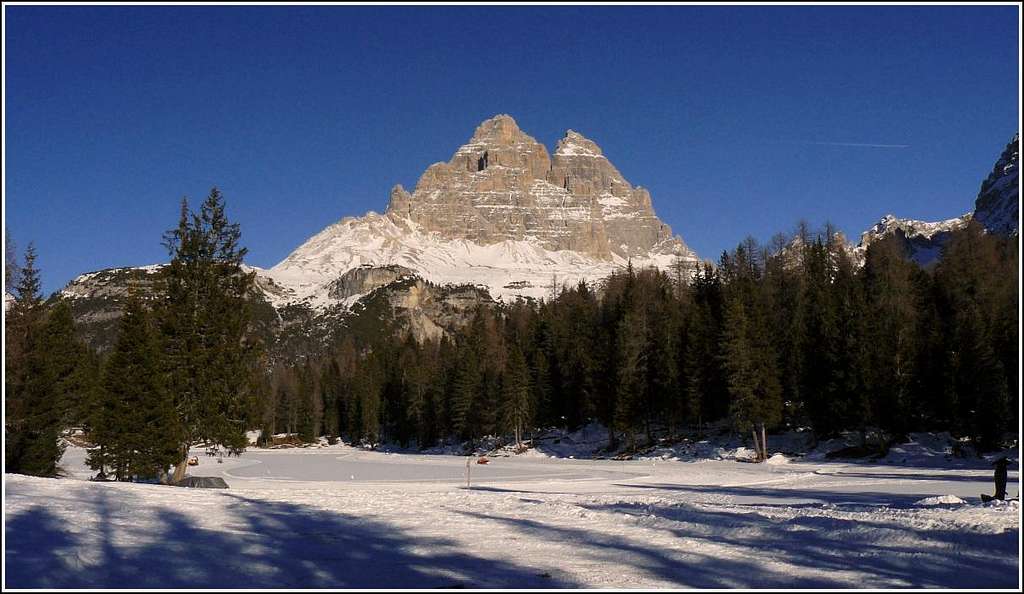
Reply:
x=204, y=317
x=517, y=412
x=135, y=425
x=34, y=378
x=892, y=333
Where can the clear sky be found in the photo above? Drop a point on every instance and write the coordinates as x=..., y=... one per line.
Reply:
x=740, y=120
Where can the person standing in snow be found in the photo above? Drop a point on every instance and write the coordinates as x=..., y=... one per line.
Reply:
x=1000, y=477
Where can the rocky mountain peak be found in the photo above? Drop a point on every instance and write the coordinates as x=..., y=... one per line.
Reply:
x=574, y=144
x=998, y=205
x=503, y=185
x=502, y=129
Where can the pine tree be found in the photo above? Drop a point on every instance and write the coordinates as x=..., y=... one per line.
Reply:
x=135, y=424
x=891, y=331
x=465, y=385
x=70, y=362
x=204, y=318
x=33, y=379
x=516, y=400
x=747, y=357
x=632, y=361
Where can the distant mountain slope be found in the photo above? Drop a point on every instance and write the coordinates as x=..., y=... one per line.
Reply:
x=501, y=219
x=501, y=214
x=998, y=205
x=996, y=208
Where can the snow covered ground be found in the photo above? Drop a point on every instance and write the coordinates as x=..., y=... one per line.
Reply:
x=342, y=517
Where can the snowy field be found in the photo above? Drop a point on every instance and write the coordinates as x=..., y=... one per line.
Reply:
x=341, y=517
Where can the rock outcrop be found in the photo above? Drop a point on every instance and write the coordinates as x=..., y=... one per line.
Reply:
x=501, y=219
x=996, y=209
x=502, y=185
x=923, y=241
x=364, y=279
x=998, y=205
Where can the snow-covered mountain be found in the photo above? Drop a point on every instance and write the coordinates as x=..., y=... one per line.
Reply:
x=500, y=214
x=924, y=240
x=998, y=205
x=996, y=209
x=501, y=219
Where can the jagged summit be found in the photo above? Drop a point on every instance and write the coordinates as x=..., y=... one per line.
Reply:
x=574, y=144
x=503, y=185
x=502, y=212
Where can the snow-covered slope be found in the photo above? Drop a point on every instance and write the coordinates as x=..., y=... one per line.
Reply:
x=998, y=205
x=500, y=214
x=924, y=240
x=507, y=268
x=343, y=518
x=996, y=208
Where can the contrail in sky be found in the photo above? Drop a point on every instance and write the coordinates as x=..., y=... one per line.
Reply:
x=858, y=144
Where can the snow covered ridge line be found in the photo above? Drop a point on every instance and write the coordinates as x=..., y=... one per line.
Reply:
x=508, y=269
x=915, y=228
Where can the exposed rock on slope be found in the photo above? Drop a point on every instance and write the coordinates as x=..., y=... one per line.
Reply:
x=502, y=218
x=922, y=240
x=998, y=205
x=996, y=208
x=500, y=213
x=503, y=186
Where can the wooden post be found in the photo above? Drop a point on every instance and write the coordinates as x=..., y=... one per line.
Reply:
x=757, y=448
x=468, y=459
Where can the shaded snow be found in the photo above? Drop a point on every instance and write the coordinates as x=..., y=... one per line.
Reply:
x=343, y=517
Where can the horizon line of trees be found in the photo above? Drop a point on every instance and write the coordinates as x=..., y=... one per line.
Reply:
x=792, y=334
x=779, y=336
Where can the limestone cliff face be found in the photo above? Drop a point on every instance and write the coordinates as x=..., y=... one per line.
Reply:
x=503, y=185
x=362, y=280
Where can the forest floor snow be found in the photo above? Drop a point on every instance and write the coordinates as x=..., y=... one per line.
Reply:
x=343, y=517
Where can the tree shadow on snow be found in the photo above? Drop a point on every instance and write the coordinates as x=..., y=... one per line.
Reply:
x=764, y=496
x=259, y=544
x=862, y=543
x=979, y=478
x=689, y=568
x=39, y=552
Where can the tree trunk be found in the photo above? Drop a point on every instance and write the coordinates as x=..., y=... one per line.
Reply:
x=179, y=470
x=764, y=443
x=757, y=447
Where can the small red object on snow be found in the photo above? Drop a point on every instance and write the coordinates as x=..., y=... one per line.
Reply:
x=483, y=460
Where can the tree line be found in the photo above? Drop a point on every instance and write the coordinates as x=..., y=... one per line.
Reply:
x=791, y=334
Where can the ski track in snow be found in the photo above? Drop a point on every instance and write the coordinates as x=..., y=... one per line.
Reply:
x=346, y=518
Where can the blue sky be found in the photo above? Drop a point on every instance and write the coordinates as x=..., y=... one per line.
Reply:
x=303, y=115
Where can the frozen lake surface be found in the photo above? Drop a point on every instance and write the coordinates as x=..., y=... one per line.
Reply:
x=341, y=517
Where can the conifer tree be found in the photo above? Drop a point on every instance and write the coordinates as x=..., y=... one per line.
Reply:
x=516, y=400
x=631, y=368
x=135, y=424
x=204, y=318
x=33, y=379
x=891, y=332
x=70, y=363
